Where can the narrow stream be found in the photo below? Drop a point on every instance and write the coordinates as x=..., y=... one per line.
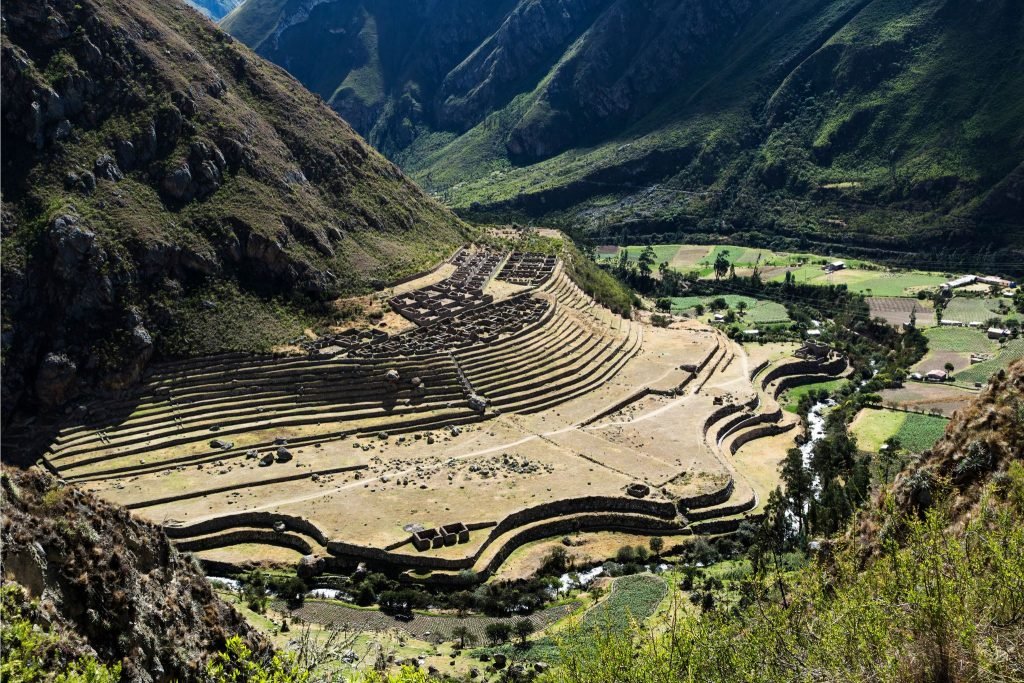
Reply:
x=815, y=433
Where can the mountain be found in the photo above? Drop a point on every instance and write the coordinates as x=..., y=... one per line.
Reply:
x=215, y=9
x=167, y=192
x=866, y=123
x=93, y=582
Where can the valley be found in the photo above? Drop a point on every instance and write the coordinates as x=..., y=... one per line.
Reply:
x=518, y=341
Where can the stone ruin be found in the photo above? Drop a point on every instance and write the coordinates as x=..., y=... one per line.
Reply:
x=638, y=490
x=812, y=350
x=527, y=268
x=449, y=534
x=479, y=326
x=459, y=293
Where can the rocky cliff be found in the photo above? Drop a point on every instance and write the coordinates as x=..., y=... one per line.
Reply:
x=110, y=587
x=166, y=191
x=870, y=123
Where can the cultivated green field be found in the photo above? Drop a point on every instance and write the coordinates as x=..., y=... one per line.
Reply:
x=859, y=275
x=916, y=432
x=758, y=311
x=959, y=339
x=971, y=309
x=980, y=372
x=633, y=599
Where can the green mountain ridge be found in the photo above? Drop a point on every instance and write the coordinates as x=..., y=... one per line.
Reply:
x=167, y=192
x=866, y=123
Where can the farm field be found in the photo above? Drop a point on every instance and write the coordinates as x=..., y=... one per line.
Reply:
x=632, y=599
x=859, y=275
x=757, y=312
x=954, y=345
x=980, y=372
x=929, y=396
x=974, y=309
x=916, y=432
x=897, y=310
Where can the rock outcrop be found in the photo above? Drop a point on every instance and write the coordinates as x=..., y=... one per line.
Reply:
x=115, y=584
x=149, y=157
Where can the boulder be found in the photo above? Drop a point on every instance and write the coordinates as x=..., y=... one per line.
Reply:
x=106, y=168
x=177, y=184
x=266, y=460
x=283, y=454
x=55, y=379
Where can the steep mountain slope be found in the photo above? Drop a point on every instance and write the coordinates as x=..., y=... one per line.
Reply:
x=162, y=185
x=215, y=9
x=107, y=586
x=864, y=122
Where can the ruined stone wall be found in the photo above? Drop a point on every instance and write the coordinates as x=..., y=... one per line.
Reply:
x=246, y=519
x=261, y=536
x=704, y=500
x=757, y=433
x=805, y=367
x=725, y=511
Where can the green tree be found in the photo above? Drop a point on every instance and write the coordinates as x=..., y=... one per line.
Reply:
x=524, y=628
x=646, y=261
x=464, y=636
x=721, y=264
x=656, y=544
x=498, y=632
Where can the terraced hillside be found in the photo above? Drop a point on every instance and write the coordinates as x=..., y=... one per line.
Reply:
x=866, y=123
x=529, y=411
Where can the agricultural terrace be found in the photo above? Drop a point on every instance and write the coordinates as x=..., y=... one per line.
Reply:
x=916, y=432
x=864, y=277
x=512, y=408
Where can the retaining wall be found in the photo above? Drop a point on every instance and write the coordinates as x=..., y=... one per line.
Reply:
x=247, y=519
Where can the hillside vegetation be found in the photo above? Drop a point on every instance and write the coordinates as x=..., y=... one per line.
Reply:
x=868, y=123
x=153, y=169
x=927, y=585
x=89, y=591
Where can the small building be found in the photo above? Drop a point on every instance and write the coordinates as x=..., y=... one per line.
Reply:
x=834, y=266
x=992, y=280
x=974, y=323
x=916, y=376
x=719, y=317
x=813, y=333
x=937, y=376
x=946, y=322
x=959, y=282
x=751, y=333
x=998, y=333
